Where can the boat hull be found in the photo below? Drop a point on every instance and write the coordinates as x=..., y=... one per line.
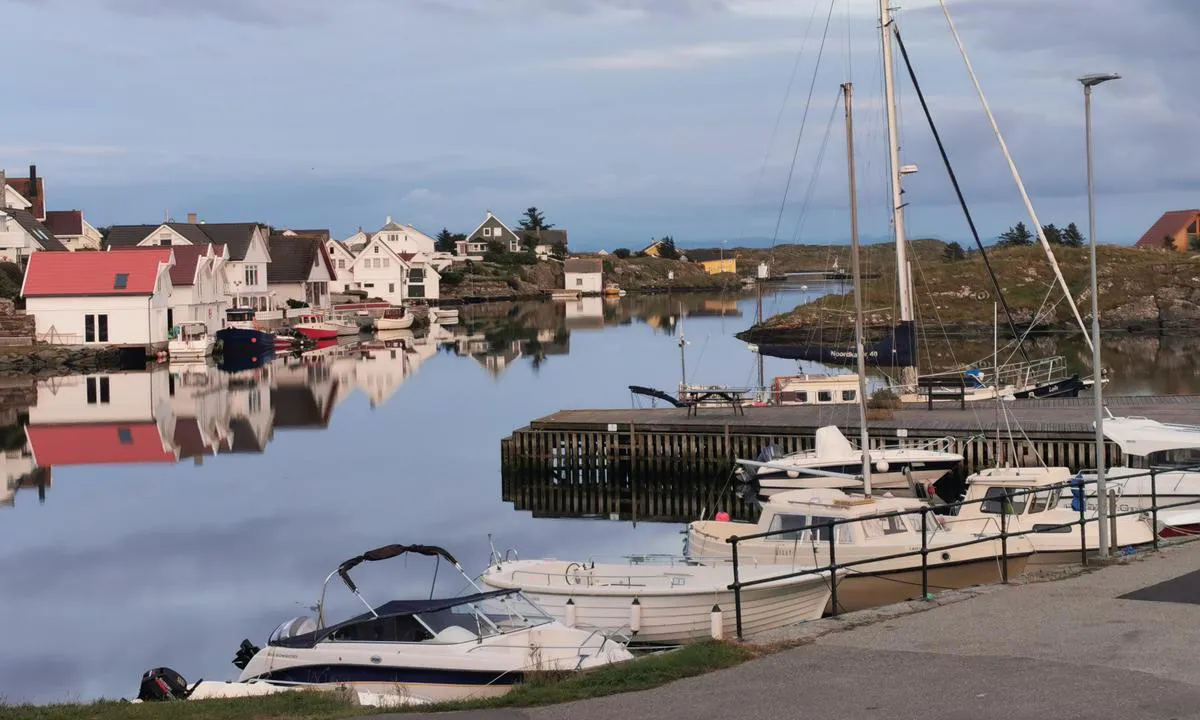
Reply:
x=1065, y=387
x=317, y=333
x=860, y=591
x=403, y=323
x=244, y=339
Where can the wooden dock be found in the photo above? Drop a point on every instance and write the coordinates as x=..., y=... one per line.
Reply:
x=662, y=464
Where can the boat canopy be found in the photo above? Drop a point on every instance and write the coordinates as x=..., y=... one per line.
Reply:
x=386, y=553
x=1142, y=436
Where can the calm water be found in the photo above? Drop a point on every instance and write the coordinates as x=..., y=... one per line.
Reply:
x=185, y=510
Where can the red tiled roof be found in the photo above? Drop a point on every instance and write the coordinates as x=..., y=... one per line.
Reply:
x=406, y=257
x=53, y=274
x=22, y=185
x=1170, y=223
x=64, y=222
x=105, y=443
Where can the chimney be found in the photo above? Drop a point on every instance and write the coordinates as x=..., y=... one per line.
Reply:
x=33, y=191
x=191, y=218
x=3, y=182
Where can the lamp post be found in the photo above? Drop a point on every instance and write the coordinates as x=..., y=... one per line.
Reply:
x=1089, y=82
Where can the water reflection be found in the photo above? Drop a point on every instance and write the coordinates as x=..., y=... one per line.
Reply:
x=187, y=508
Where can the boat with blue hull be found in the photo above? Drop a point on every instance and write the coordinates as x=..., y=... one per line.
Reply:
x=241, y=336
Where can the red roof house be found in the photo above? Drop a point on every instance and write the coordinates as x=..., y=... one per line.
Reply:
x=130, y=272
x=1175, y=230
x=98, y=444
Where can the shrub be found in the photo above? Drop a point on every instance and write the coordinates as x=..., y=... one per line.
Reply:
x=884, y=399
x=622, y=253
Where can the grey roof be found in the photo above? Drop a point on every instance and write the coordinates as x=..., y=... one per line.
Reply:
x=34, y=227
x=551, y=236
x=292, y=258
x=235, y=235
x=583, y=265
x=705, y=254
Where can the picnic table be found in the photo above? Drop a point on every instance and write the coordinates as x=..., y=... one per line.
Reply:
x=715, y=397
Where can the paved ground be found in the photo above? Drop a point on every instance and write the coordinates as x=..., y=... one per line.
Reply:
x=1072, y=648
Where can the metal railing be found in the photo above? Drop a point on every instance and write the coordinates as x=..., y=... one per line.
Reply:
x=828, y=528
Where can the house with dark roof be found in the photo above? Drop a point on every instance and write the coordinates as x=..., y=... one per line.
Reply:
x=300, y=269
x=1175, y=230
x=22, y=235
x=491, y=229
x=100, y=298
x=247, y=244
x=393, y=277
x=548, y=240
x=73, y=230
x=24, y=193
x=714, y=262
x=584, y=275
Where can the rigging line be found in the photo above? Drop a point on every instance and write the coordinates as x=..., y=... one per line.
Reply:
x=812, y=179
x=1012, y=166
x=787, y=95
x=962, y=202
x=803, y=121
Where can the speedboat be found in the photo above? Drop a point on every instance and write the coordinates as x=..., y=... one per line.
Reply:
x=1031, y=496
x=190, y=342
x=906, y=470
x=316, y=327
x=662, y=598
x=436, y=649
x=873, y=530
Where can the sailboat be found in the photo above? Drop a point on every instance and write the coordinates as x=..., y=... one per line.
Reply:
x=896, y=346
x=872, y=543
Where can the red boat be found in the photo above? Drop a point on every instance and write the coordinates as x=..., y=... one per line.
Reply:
x=315, y=327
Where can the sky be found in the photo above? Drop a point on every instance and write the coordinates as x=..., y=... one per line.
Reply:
x=622, y=120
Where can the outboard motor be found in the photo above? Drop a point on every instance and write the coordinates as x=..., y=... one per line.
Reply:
x=245, y=652
x=162, y=684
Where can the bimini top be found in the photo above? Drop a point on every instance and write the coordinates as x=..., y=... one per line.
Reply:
x=391, y=622
x=1142, y=436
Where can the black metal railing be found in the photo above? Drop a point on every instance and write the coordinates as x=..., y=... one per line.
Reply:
x=1076, y=483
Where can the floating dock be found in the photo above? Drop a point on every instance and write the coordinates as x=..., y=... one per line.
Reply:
x=667, y=465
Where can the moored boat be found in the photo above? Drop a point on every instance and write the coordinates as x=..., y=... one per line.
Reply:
x=242, y=335
x=664, y=599
x=190, y=341
x=394, y=319
x=315, y=327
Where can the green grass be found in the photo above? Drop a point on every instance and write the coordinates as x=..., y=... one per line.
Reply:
x=642, y=674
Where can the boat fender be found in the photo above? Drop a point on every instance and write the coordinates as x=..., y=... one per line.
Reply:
x=882, y=466
x=945, y=556
x=722, y=516
x=571, y=613
x=793, y=474
x=716, y=623
x=635, y=616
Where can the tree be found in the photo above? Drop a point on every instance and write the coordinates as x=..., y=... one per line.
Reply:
x=621, y=253
x=496, y=251
x=534, y=220
x=444, y=241
x=1016, y=236
x=1053, y=234
x=953, y=252
x=667, y=249
x=1194, y=243
x=1071, y=236
x=1168, y=242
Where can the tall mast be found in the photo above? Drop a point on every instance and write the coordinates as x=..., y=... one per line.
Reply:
x=864, y=436
x=896, y=173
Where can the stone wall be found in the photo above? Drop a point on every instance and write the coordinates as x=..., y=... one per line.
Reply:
x=16, y=328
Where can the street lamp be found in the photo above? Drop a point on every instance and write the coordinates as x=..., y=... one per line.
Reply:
x=1089, y=82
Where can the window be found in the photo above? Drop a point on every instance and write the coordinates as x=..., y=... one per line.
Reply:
x=368, y=285
x=794, y=523
x=95, y=328
x=416, y=275
x=341, y=264
x=251, y=274
x=376, y=250
x=125, y=435
x=1044, y=500
x=824, y=396
x=164, y=239
x=121, y=281
x=578, y=282
x=877, y=527
x=416, y=291
x=387, y=262
x=97, y=391
x=255, y=401
x=91, y=391
x=995, y=496
x=487, y=232
x=849, y=395
x=391, y=287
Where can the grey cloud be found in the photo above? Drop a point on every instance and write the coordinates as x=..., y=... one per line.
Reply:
x=266, y=13
x=579, y=7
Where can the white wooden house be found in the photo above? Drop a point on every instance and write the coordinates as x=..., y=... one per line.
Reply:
x=300, y=270
x=100, y=298
x=73, y=230
x=584, y=275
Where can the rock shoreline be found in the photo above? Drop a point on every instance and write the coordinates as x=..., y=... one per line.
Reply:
x=48, y=360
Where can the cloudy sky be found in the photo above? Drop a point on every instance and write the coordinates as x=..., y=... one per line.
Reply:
x=622, y=119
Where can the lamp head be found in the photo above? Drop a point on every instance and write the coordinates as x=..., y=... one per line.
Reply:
x=1089, y=81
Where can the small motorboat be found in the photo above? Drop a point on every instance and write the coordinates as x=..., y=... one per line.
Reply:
x=443, y=315
x=315, y=327
x=242, y=335
x=428, y=649
x=664, y=599
x=394, y=319
x=190, y=341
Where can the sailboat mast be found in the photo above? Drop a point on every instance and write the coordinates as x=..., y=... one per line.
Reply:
x=864, y=436
x=904, y=287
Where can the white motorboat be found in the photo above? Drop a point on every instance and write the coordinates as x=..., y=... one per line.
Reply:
x=877, y=577
x=664, y=599
x=344, y=325
x=191, y=342
x=902, y=470
x=394, y=319
x=1173, y=450
x=1053, y=530
x=476, y=645
x=443, y=315
x=814, y=389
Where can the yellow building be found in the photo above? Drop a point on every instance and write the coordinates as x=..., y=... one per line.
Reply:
x=716, y=267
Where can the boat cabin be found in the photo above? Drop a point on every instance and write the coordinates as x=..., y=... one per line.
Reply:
x=814, y=390
x=1147, y=443
x=236, y=315
x=796, y=510
x=991, y=491
x=187, y=331
x=444, y=621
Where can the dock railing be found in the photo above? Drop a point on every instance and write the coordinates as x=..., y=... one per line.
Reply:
x=1077, y=483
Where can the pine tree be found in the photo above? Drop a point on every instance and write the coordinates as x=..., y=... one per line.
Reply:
x=1016, y=236
x=1053, y=234
x=1071, y=236
x=953, y=252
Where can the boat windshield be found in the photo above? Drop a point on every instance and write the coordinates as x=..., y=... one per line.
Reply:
x=483, y=618
x=1176, y=459
x=815, y=523
x=995, y=497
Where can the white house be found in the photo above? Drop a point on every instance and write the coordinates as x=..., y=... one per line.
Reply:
x=393, y=277
x=490, y=229
x=406, y=239
x=73, y=230
x=249, y=254
x=300, y=270
x=198, y=286
x=100, y=298
x=21, y=235
x=584, y=274
x=342, y=259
